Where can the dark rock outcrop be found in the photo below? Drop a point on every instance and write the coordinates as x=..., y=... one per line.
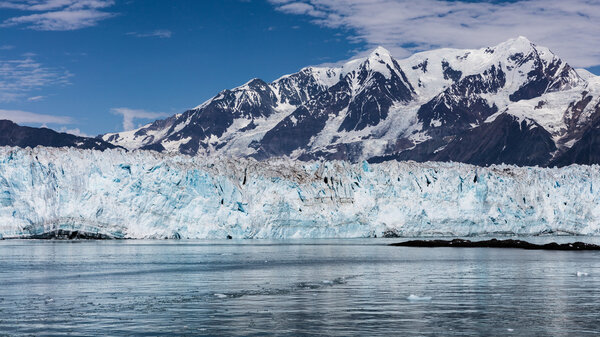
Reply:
x=494, y=243
x=12, y=134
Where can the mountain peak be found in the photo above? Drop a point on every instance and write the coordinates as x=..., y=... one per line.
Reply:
x=378, y=60
x=522, y=39
x=256, y=82
x=520, y=43
x=380, y=52
x=381, y=55
x=515, y=102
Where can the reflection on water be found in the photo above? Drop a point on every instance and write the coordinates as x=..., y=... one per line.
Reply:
x=328, y=287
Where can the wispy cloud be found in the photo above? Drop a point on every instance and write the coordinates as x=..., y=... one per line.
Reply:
x=160, y=33
x=20, y=76
x=26, y=117
x=569, y=28
x=302, y=8
x=6, y=47
x=57, y=14
x=42, y=120
x=129, y=115
x=35, y=98
x=48, y=5
x=73, y=131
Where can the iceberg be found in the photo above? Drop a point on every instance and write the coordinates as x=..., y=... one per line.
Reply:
x=416, y=298
x=145, y=194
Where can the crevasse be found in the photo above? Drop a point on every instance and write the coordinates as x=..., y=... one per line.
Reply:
x=144, y=194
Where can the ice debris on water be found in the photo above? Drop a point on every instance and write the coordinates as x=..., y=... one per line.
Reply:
x=582, y=274
x=415, y=298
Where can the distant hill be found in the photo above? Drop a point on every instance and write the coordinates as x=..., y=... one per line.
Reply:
x=12, y=134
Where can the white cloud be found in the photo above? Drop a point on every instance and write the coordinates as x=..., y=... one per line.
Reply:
x=35, y=98
x=20, y=76
x=6, y=47
x=569, y=28
x=130, y=114
x=75, y=131
x=57, y=14
x=160, y=33
x=301, y=8
x=25, y=117
x=41, y=120
x=46, y=5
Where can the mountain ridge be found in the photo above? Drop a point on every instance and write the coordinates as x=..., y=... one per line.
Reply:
x=12, y=134
x=515, y=103
x=376, y=108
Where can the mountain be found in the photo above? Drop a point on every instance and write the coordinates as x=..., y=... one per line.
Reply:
x=515, y=103
x=12, y=134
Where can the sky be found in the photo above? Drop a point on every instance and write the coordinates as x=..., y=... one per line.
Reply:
x=95, y=66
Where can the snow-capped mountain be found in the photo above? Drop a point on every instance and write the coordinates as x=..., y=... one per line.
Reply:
x=515, y=103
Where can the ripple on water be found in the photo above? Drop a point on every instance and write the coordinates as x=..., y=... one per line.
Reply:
x=332, y=289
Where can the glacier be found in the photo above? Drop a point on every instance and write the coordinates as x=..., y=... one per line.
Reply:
x=145, y=194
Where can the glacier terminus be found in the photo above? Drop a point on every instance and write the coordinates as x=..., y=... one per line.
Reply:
x=145, y=194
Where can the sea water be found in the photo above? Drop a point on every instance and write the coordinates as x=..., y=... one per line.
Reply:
x=297, y=287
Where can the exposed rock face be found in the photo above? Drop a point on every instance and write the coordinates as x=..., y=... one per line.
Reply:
x=504, y=140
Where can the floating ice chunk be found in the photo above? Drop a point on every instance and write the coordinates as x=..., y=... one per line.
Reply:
x=582, y=274
x=510, y=330
x=218, y=295
x=415, y=298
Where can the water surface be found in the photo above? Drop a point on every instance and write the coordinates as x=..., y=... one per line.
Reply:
x=302, y=287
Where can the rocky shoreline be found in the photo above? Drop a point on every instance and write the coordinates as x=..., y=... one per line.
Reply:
x=495, y=243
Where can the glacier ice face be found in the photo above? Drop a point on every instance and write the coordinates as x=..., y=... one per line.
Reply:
x=144, y=194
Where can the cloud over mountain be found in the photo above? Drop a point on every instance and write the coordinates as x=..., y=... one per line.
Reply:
x=569, y=28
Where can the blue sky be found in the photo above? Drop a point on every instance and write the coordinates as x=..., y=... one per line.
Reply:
x=97, y=66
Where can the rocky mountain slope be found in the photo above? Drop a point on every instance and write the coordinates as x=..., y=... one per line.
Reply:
x=515, y=103
x=12, y=134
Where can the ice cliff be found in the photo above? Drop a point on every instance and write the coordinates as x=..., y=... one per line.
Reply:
x=144, y=194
